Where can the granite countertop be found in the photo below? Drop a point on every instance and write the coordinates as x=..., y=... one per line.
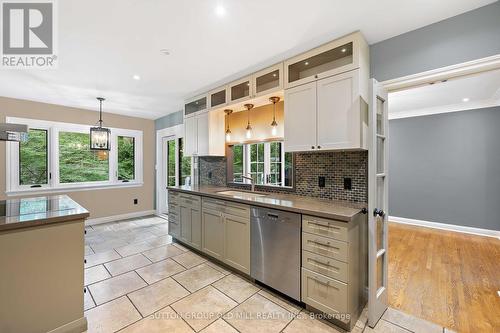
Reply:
x=31, y=212
x=332, y=209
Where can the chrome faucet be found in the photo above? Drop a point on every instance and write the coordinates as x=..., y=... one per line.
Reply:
x=251, y=182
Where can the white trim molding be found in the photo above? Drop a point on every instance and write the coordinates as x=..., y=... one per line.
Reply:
x=446, y=226
x=113, y=218
x=448, y=72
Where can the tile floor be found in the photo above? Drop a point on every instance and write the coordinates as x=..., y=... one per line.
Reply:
x=138, y=280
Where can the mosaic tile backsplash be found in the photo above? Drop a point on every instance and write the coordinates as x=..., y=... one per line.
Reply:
x=334, y=166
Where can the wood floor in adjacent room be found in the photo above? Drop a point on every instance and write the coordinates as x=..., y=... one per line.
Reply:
x=448, y=278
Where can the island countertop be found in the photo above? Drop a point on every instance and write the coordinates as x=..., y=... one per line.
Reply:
x=31, y=212
x=331, y=209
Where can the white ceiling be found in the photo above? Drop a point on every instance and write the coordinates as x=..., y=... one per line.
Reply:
x=459, y=94
x=102, y=44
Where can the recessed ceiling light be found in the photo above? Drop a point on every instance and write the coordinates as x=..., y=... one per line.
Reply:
x=306, y=63
x=165, y=51
x=274, y=74
x=465, y=99
x=344, y=50
x=220, y=11
x=136, y=77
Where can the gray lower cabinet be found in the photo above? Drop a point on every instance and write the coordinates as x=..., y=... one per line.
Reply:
x=237, y=242
x=213, y=233
x=185, y=219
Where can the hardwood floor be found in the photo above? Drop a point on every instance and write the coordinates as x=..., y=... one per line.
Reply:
x=445, y=277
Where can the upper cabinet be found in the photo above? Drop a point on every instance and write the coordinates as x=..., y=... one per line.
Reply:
x=204, y=134
x=240, y=90
x=268, y=80
x=195, y=105
x=218, y=98
x=339, y=56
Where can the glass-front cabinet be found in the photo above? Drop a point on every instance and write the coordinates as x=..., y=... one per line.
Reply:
x=240, y=90
x=195, y=105
x=268, y=80
x=336, y=57
x=217, y=98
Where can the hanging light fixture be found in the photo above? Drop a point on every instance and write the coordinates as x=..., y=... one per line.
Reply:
x=248, y=128
x=228, y=130
x=99, y=136
x=274, y=124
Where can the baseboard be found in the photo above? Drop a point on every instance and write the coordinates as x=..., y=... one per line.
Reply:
x=112, y=218
x=445, y=226
x=77, y=326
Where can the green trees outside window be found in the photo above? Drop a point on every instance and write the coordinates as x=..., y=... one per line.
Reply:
x=171, y=162
x=126, y=158
x=185, y=167
x=33, y=157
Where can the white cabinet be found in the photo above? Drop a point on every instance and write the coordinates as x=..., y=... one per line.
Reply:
x=204, y=134
x=300, y=118
x=240, y=90
x=327, y=114
x=195, y=105
x=267, y=80
x=218, y=98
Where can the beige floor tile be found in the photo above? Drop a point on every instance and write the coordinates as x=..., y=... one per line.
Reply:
x=363, y=318
x=160, y=240
x=157, y=296
x=219, y=326
x=198, y=277
x=115, y=287
x=162, y=252
x=235, y=287
x=180, y=246
x=287, y=305
x=161, y=229
x=95, y=274
x=88, y=302
x=411, y=323
x=112, y=316
x=101, y=258
x=189, y=259
x=258, y=314
x=164, y=321
x=385, y=327
x=88, y=250
x=135, y=248
x=218, y=267
x=159, y=270
x=138, y=236
x=127, y=264
x=203, y=307
x=303, y=323
x=108, y=245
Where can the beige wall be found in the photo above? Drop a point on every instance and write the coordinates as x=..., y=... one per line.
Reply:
x=104, y=202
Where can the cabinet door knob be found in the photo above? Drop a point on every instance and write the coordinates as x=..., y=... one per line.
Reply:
x=312, y=147
x=319, y=147
x=316, y=76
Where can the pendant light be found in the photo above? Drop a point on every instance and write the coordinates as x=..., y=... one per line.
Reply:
x=248, y=128
x=228, y=130
x=274, y=124
x=99, y=136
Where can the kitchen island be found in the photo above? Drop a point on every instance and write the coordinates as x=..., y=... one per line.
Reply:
x=41, y=260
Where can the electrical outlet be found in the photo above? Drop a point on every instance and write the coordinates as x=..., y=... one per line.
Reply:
x=136, y=201
x=210, y=175
x=347, y=184
x=321, y=181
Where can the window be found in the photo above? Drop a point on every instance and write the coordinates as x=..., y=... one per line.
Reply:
x=265, y=162
x=185, y=165
x=126, y=158
x=33, y=157
x=171, y=162
x=77, y=163
x=56, y=156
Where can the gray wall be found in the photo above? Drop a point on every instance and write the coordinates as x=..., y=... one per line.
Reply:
x=446, y=168
x=169, y=120
x=469, y=36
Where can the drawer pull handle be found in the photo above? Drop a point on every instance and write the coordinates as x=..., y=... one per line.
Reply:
x=327, y=225
x=321, y=262
x=326, y=283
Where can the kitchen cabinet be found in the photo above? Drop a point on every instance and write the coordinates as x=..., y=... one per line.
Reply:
x=339, y=56
x=226, y=232
x=204, y=134
x=327, y=114
x=218, y=98
x=190, y=220
x=240, y=90
x=195, y=105
x=268, y=80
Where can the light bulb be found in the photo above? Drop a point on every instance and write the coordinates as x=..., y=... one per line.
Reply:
x=249, y=133
x=274, y=131
x=228, y=136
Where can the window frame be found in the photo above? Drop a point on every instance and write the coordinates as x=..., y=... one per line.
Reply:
x=267, y=164
x=53, y=128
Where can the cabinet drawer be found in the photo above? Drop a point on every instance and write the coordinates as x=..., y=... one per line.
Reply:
x=325, y=246
x=190, y=200
x=237, y=209
x=214, y=204
x=324, y=227
x=323, y=293
x=326, y=266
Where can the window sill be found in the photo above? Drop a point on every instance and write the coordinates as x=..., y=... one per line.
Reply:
x=71, y=188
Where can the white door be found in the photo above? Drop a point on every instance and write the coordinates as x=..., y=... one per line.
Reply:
x=377, y=204
x=300, y=118
x=338, y=99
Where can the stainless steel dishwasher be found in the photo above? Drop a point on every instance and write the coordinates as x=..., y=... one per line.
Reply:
x=275, y=250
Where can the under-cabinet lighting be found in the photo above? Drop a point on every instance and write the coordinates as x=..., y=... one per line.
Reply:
x=465, y=99
x=306, y=63
x=344, y=50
